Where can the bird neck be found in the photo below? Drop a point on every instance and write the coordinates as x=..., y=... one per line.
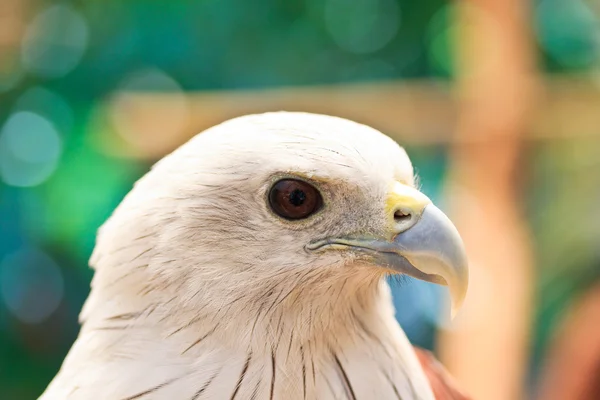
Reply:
x=306, y=310
x=332, y=341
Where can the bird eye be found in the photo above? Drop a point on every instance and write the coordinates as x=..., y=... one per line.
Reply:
x=294, y=199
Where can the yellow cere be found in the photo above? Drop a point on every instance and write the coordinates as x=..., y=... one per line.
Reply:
x=405, y=198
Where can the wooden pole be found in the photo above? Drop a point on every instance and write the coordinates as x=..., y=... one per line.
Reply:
x=416, y=113
x=486, y=350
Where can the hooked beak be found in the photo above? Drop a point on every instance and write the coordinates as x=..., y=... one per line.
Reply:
x=424, y=243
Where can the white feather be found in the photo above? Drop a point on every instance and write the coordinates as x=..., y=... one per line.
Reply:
x=200, y=292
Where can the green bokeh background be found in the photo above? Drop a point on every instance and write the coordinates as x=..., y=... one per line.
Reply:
x=240, y=44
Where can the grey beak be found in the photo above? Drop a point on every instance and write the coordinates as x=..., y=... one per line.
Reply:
x=430, y=249
x=434, y=252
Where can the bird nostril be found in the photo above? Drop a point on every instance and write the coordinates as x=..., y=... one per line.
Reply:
x=400, y=216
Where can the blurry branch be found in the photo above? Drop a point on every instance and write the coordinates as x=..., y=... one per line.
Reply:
x=413, y=112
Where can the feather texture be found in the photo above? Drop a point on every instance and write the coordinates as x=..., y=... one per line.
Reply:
x=200, y=292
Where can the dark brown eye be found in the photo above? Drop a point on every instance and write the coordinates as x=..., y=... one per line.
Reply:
x=294, y=199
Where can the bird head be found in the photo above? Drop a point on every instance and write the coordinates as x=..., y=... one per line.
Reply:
x=263, y=203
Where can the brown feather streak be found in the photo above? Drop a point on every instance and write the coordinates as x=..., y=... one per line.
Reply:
x=152, y=390
x=206, y=385
x=303, y=372
x=272, y=374
x=391, y=382
x=242, y=375
x=200, y=339
x=345, y=380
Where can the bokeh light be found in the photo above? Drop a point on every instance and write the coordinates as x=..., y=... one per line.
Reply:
x=30, y=147
x=31, y=285
x=55, y=42
x=441, y=39
x=362, y=26
x=569, y=31
x=151, y=127
x=48, y=104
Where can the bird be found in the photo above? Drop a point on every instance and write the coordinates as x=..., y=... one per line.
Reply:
x=252, y=263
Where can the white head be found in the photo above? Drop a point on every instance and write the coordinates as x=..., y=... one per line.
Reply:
x=272, y=210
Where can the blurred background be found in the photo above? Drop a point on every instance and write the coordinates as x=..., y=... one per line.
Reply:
x=496, y=101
